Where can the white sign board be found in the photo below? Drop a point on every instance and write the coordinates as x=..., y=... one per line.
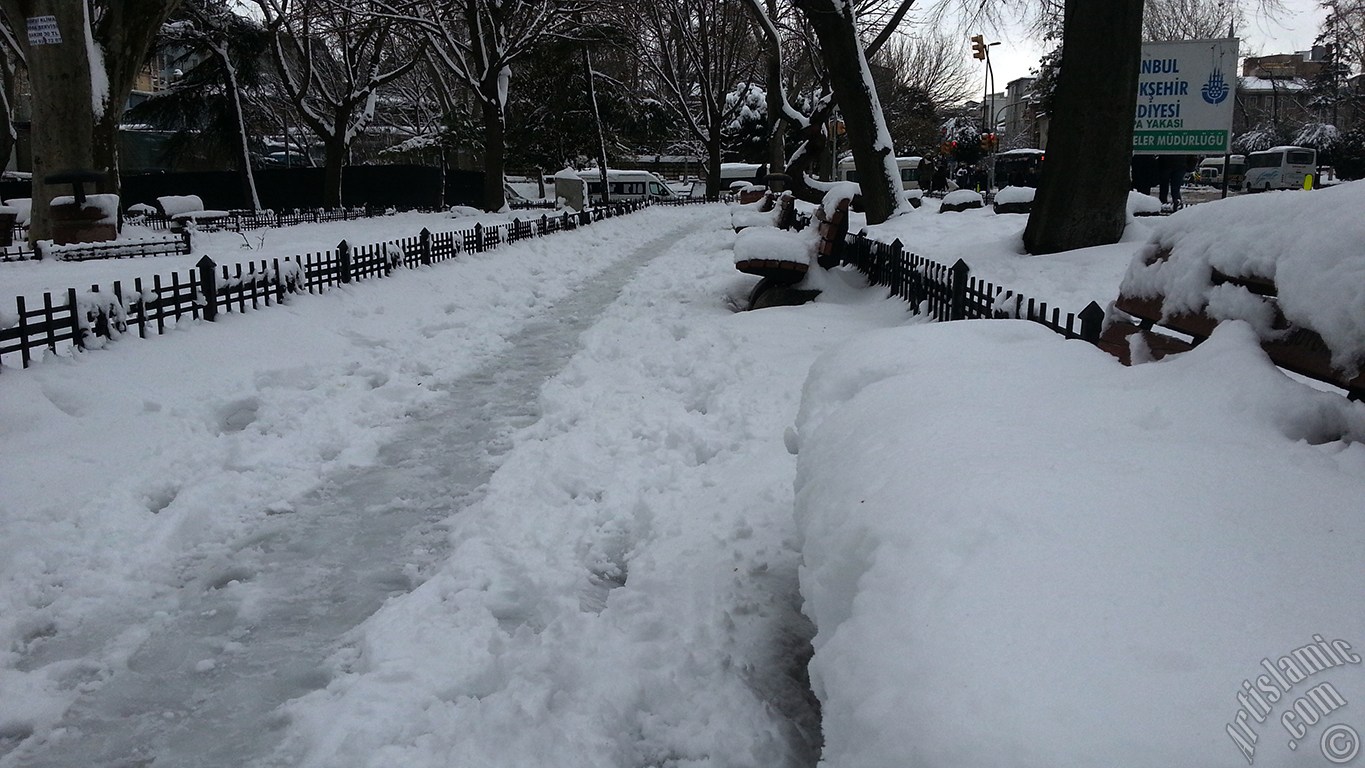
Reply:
x=1186, y=92
x=42, y=30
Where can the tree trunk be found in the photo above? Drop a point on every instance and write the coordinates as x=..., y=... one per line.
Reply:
x=713, y=190
x=777, y=124
x=334, y=164
x=59, y=74
x=493, y=147
x=850, y=77
x=1083, y=193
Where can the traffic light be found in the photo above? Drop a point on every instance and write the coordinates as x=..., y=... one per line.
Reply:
x=979, y=47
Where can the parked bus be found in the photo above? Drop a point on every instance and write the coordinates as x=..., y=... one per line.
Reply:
x=1018, y=167
x=1211, y=171
x=1280, y=168
x=908, y=167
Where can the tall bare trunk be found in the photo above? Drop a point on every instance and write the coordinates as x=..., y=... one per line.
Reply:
x=713, y=179
x=493, y=147
x=247, y=176
x=597, y=120
x=334, y=165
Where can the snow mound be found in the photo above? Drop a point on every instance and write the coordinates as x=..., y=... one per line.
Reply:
x=24, y=206
x=962, y=196
x=1010, y=195
x=1142, y=205
x=174, y=204
x=983, y=602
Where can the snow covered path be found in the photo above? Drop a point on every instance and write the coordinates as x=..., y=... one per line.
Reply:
x=571, y=509
x=202, y=687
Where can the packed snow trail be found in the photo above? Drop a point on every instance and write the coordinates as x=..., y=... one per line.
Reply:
x=202, y=687
x=620, y=591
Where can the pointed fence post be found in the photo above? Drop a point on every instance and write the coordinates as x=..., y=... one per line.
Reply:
x=424, y=245
x=344, y=259
x=478, y=237
x=208, y=287
x=1092, y=322
x=957, y=309
x=895, y=275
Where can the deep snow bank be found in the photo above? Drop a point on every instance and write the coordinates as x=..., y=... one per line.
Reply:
x=1075, y=564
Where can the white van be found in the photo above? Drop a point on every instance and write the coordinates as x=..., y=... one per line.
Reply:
x=1210, y=171
x=1280, y=168
x=909, y=170
x=623, y=185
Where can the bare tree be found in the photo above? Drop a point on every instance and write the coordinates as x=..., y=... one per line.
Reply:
x=1345, y=26
x=333, y=58
x=836, y=27
x=931, y=63
x=475, y=43
x=82, y=62
x=231, y=45
x=699, y=50
x=1190, y=19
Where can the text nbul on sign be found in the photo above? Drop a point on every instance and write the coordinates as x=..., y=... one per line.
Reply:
x=1185, y=97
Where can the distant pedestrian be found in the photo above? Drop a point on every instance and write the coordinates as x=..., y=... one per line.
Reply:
x=1173, y=169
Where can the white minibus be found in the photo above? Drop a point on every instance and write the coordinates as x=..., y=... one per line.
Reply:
x=1280, y=168
x=623, y=185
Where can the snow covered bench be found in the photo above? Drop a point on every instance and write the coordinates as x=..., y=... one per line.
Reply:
x=768, y=211
x=1292, y=347
x=833, y=229
x=1291, y=268
x=187, y=211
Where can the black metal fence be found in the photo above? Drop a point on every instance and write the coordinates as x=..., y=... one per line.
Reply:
x=953, y=293
x=91, y=319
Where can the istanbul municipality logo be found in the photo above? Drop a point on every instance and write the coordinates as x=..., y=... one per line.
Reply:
x=1216, y=89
